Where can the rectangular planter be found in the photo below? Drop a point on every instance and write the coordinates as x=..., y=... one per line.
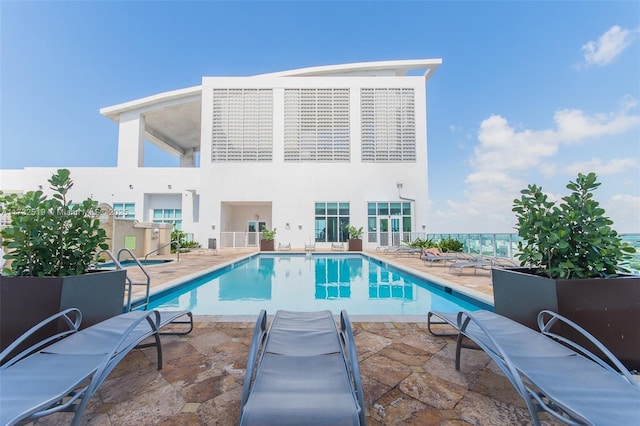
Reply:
x=355, y=245
x=608, y=308
x=267, y=245
x=25, y=301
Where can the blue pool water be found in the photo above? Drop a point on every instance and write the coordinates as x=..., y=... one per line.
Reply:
x=129, y=263
x=361, y=285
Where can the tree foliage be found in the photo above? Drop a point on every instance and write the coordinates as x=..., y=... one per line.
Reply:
x=569, y=239
x=50, y=236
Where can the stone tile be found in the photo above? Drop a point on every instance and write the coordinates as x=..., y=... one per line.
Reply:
x=384, y=370
x=182, y=419
x=368, y=344
x=478, y=409
x=497, y=387
x=126, y=388
x=432, y=390
x=188, y=369
x=445, y=369
x=395, y=408
x=223, y=410
x=145, y=408
x=208, y=389
x=373, y=390
x=423, y=340
x=405, y=354
x=470, y=360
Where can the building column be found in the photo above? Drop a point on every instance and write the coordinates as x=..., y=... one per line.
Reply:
x=131, y=140
x=188, y=159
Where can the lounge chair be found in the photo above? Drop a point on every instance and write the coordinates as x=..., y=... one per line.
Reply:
x=337, y=246
x=62, y=375
x=310, y=247
x=400, y=250
x=477, y=263
x=307, y=372
x=284, y=247
x=442, y=258
x=550, y=372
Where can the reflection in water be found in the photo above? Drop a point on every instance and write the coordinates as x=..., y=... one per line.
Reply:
x=303, y=283
x=334, y=276
x=251, y=281
x=384, y=284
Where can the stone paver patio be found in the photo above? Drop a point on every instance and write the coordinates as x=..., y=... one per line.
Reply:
x=408, y=374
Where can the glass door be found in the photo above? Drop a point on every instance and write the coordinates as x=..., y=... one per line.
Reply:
x=396, y=236
x=252, y=233
x=383, y=231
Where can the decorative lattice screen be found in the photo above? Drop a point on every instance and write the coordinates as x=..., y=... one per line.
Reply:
x=242, y=125
x=388, y=125
x=316, y=125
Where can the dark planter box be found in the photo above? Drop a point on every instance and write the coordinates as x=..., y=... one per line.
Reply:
x=25, y=301
x=267, y=245
x=608, y=308
x=355, y=245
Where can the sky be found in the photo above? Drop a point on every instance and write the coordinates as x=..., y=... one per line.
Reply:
x=527, y=93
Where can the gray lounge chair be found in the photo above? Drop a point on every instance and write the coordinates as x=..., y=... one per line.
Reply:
x=442, y=258
x=337, y=246
x=550, y=372
x=477, y=263
x=62, y=375
x=307, y=372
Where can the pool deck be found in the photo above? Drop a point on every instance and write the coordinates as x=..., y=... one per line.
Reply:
x=408, y=374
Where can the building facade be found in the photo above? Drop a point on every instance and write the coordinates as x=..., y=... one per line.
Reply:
x=306, y=152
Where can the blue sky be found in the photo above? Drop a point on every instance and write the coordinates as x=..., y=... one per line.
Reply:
x=528, y=92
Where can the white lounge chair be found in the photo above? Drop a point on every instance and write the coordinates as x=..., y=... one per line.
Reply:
x=302, y=371
x=337, y=246
x=62, y=375
x=550, y=372
x=310, y=247
x=284, y=247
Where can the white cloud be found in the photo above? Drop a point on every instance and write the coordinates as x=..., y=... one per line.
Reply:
x=596, y=165
x=506, y=158
x=574, y=125
x=624, y=210
x=609, y=46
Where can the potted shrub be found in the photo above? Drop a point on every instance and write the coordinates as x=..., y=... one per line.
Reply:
x=267, y=243
x=355, y=238
x=49, y=245
x=571, y=254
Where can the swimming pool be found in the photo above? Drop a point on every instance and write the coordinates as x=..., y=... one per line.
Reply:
x=357, y=283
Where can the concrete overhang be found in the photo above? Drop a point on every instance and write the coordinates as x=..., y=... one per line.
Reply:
x=172, y=119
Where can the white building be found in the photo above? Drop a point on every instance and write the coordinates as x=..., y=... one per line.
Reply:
x=304, y=151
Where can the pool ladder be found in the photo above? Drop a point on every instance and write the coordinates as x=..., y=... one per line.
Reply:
x=144, y=304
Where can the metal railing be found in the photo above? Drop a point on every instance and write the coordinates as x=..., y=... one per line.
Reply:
x=177, y=243
x=131, y=283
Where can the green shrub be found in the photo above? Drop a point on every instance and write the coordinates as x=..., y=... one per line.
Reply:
x=450, y=245
x=571, y=239
x=51, y=236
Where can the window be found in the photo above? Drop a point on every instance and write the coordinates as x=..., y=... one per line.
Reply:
x=394, y=217
x=124, y=210
x=173, y=216
x=388, y=125
x=316, y=125
x=242, y=125
x=331, y=220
